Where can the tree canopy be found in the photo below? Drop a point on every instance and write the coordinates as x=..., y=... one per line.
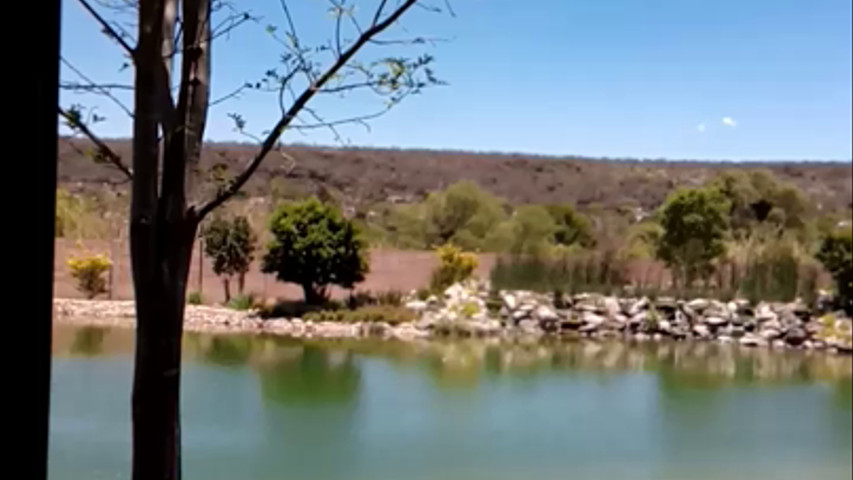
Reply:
x=314, y=246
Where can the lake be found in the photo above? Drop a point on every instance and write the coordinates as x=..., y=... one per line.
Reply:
x=266, y=408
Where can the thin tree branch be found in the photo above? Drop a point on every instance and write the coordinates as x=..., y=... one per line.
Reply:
x=104, y=151
x=108, y=29
x=237, y=91
x=93, y=86
x=379, y=12
x=97, y=88
x=297, y=106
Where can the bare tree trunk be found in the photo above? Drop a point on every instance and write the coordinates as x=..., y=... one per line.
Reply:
x=200, y=266
x=226, y=285
x=156, y=387
x=241, y=282
x=313, y=295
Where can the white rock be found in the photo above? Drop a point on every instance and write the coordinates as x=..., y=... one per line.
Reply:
x=698, y=304
x=417, y=305
x=770, y=333
x=510, y=301
x=544, y=312
x=592, y=319
x=638, y=306
x=611, y=306
x=751, y=340
x=701, y=330
x=715, y=321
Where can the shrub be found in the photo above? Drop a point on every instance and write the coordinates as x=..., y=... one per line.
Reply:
x=231, y=246
x=77, y=216
x=773, y=273
x=571, y=227
x=242, y=302
x=369, y=314
x=455, y=267
x=587, y=271
x=463, y=214
x=195, y=298
x=836, y=255
x=694, y=225
x=314, y=246
x=533, y=230
x=89, y=273
x=393, y=298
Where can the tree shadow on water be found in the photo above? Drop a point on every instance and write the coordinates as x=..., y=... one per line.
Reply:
x=88, y=341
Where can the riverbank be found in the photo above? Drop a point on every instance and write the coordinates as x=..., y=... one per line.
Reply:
x=470, y=310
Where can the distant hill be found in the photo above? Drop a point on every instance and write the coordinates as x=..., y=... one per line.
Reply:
x=372, y=175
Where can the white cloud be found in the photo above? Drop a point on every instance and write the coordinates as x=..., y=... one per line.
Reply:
x=701, y=128
x=729, y=122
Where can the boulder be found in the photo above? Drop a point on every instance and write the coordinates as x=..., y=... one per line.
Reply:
x=699, y=304
x=510, y=301
x=666, y=304
x=796, y=336
x=715, y=321
x=770, y=334
x=639, y=306
x=417, y=305
x=611, y=306
x=545, y=313
x=751, y=340
x=529, y=326
x=590, y=318
x=702, y=331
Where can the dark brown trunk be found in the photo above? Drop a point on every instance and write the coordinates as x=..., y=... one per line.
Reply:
x=160, y=305
x=312, y=294
x=226, y=285
x=241, y=282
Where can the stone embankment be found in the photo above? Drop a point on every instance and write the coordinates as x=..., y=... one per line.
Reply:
x=470, y=309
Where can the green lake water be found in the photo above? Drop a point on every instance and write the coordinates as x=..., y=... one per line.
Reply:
x=264, y=408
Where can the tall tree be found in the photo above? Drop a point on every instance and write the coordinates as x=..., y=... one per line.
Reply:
x=171, y=61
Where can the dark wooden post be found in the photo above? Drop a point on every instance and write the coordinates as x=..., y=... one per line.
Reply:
x=37, y=170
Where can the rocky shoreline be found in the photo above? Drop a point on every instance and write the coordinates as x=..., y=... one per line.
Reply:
x=471, y=310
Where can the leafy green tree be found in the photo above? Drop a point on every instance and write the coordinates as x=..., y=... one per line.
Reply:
x=463, y=214
x=231, y=246
x=760, y=204
x=694, y=226
x=314, y=246
x=572, y=227
x=836, y=255
x=533, y=230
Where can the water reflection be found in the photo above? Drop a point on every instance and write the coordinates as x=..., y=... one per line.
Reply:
x=88, y=341
x=258, y=406
x=299, y=371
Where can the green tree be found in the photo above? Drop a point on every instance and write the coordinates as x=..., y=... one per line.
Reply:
x=694, y=226
x=533, y=230
x=836, y=255
x=572, y=227
x=760, y=204
x=231, y=246
x=314, y=246
x=462, y=214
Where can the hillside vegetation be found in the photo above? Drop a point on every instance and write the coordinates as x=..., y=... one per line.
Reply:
x=362, y=176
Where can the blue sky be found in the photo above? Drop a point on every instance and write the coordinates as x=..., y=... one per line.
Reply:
x=722, y=79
